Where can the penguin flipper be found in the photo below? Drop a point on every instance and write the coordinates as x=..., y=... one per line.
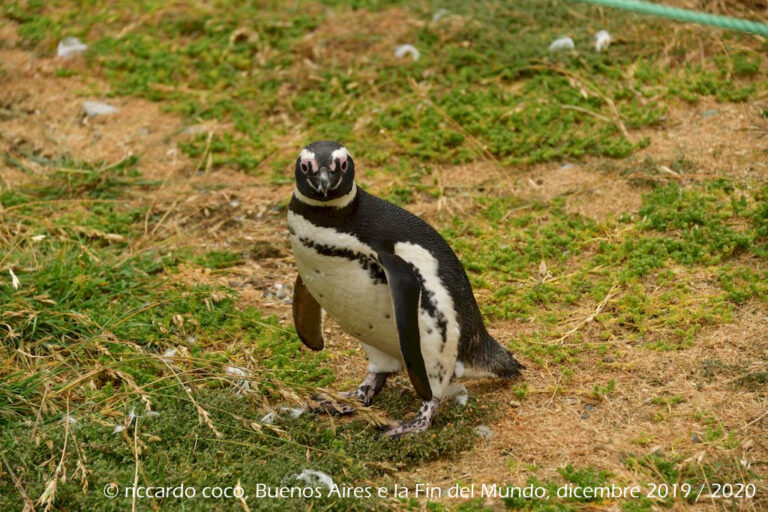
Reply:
x=307, y=316
x=405, y=290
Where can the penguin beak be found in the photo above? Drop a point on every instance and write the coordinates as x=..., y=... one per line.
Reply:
x=323, y=180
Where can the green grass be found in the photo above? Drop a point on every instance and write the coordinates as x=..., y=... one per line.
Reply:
x=645, y=264
x=485, y=86
x=100, y=301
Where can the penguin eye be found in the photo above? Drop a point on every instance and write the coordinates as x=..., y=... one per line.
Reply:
x=304, y=168
x=344, y=165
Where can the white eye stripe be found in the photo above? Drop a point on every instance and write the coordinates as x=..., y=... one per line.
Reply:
x=342, y=154
x=307, y=158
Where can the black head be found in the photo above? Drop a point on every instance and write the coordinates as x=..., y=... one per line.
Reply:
x=325, y=171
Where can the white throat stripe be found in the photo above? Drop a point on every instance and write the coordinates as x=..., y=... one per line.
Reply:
x=339, y=202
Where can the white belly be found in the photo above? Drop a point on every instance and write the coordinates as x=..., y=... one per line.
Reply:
x=348, y=294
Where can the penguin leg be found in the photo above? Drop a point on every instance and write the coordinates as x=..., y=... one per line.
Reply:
x=419, y=423
x=364, y=394
x=370, y=387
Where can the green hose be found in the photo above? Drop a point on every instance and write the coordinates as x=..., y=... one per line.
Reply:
x=688, y=15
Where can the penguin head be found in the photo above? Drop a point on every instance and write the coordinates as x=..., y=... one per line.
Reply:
x=325, y=171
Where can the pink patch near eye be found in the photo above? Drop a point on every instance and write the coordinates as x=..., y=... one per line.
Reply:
x=304, y=167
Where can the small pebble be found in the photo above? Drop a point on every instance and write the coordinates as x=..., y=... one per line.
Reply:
x=314, y=478
x=695, y=438
x=514, y=403
x=70, y=46
x=602, y=40
x=584, y=416
x=402, y=50
x=483, y=432
x=562, y=43
x=295, y=412
x=570, y=401
x=441, y=13
x=98, y=108
x=589, y=407
x=195, y=129
x=709, y=113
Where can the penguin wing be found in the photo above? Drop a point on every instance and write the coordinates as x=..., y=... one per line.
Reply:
x=307, y=316
x=405, y=290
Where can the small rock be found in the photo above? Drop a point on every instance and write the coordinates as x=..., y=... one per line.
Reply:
x=562, y=43
x=709, y=113
x=295, y=412
x=234, y=203
x=195, y=129
x=314, y=478
x=441, y=13
x=602, y=40
x=483, y=432
x=70, y=46
x=584, y=416
x=402, y=50
x=69, y=419
x=514, y=403
x=695, y=438
x=168, y=355
x=570, y=401
x=588, y=407
x=97, y=108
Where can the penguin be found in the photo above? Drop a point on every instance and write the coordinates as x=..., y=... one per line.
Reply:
x=389, y=280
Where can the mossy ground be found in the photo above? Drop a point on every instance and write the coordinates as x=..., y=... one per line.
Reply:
x=610, y=209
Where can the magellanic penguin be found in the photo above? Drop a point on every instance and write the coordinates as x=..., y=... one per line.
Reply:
x=388, y=279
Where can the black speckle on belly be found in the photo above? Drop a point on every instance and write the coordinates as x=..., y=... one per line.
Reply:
x=375, y=272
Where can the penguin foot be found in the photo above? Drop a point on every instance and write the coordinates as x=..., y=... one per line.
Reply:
x=370, y=387
x=419, y=423
x=330, y=406
x=364, y=394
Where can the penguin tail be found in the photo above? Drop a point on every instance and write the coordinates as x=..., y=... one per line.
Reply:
x=487, y=357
